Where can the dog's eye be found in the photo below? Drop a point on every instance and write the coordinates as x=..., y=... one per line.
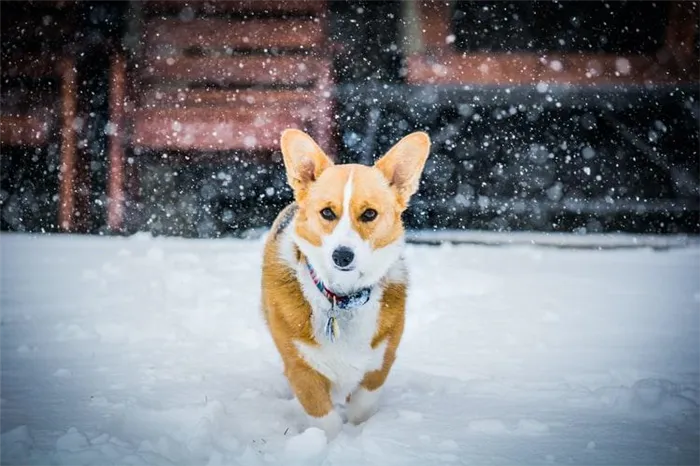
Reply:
x=368, y=215
x=328, y=214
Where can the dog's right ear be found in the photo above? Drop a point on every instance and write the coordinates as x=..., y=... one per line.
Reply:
x=304, y=161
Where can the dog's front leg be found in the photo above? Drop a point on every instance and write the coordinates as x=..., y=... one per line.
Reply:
x=364, y=400
x=313, y=391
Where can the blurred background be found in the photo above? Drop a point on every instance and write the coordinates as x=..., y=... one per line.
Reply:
x=164, y=116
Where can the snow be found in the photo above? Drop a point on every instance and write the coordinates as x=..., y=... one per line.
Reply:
x=145, y=350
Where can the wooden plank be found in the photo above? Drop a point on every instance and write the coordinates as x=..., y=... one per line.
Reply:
x=248, y=70
x=69, y=158
x=186, y=98
x=209, y=129
x=480, y=69
x=24, y=129
x=199, y=7
x=529, y=69
x=604, y=69
x=170, y=36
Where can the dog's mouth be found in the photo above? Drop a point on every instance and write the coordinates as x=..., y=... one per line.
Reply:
x=345, y=269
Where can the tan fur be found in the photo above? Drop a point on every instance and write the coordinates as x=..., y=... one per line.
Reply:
x=317, y=184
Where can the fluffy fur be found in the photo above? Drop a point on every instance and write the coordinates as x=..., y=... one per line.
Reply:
x=354, y=367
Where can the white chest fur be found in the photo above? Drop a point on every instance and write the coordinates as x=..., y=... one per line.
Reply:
x=345, y=360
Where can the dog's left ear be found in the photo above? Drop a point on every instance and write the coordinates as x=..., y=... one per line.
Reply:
x=404, y=163
x=304, y=161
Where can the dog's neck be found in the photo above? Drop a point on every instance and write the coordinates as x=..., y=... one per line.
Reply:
x=341, y=301
x=342, y=306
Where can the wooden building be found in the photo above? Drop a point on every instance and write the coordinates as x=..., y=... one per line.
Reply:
x=163, y=115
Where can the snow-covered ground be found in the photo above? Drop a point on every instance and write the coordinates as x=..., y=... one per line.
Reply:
x=152, y=351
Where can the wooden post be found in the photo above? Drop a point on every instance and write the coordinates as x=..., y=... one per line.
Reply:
x=68, y=170
x=323, y=124
x=116, y=172
x=435, y=24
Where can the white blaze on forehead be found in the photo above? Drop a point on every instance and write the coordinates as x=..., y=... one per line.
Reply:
x=347, y=194
x=344, y=226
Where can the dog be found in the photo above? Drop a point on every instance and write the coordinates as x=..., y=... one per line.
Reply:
x=334, y=281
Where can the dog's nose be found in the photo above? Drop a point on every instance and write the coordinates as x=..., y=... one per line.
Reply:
x=343, y=256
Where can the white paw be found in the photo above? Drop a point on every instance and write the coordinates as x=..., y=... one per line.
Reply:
x=363, y=404
x=331, y=424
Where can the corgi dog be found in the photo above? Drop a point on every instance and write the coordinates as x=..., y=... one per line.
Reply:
x=334, y=282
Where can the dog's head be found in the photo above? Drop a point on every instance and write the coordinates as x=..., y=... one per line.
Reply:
x=349, y=220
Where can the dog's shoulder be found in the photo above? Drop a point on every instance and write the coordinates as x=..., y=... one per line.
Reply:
x=278, y=250
x=284, y=219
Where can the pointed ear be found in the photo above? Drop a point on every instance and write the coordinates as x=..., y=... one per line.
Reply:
x=404, y=163
x=304, y=161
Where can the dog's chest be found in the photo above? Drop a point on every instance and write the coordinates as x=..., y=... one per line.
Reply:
x=350, y=356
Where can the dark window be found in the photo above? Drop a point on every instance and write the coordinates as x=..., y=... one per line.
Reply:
x=570, y=26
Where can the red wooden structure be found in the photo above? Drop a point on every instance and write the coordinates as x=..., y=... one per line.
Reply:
x=40, y=100
x=229, y=77
x=439, y=62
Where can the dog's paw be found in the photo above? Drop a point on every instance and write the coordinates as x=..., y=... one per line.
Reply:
x=362, y=405
x=331, y=424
